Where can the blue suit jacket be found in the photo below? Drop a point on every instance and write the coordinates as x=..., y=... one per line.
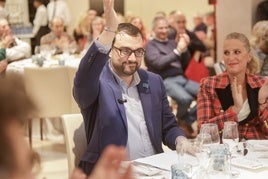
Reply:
x=97, y=92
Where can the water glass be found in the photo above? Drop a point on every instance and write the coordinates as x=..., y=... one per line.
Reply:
x=212, y=130
x=219, y=165
x=181, y=171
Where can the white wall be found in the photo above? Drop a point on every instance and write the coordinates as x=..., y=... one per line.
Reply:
x=234, y=15
x=77, y=7
x=19, y=10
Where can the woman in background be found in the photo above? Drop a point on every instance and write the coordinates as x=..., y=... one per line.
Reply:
x=259, y=42
x=138, y=23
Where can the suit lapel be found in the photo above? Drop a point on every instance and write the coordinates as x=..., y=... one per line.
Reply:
x=226, y=101
x=116, y=91
x=224, y=96
x=146, y=100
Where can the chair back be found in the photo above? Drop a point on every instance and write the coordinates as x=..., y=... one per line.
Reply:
x=49, y=87
x=75, y=139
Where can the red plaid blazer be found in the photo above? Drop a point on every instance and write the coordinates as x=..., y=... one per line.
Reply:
x=214, y=103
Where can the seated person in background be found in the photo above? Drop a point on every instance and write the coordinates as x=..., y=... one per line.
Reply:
x=96, y=28
x=208, y=37
x=199, y=24
x=3, y=61
x=80, y=39
x=84, y=21
x=237, y=94
x=166, y=57
x=57, y=36
x=15, y=49
x=178, y=22
x=137, y=21
x=259, y=43
x=120, y=103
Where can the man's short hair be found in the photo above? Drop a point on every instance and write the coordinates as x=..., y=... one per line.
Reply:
x=129, y=29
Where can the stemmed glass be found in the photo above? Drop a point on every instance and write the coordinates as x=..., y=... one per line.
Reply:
x=230, y=138
x=230, y=135
x=212, y=130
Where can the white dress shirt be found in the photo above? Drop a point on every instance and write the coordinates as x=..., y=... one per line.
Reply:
x=139, y=144
x=62, y=10
x=40, y=18
x=19, y=51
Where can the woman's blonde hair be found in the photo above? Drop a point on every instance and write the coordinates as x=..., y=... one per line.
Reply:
x=259, y=31
x=253, y=65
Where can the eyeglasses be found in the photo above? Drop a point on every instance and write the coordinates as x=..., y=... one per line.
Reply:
x=126, y=52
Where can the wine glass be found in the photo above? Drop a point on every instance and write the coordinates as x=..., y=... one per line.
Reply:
x=212, y=130
x=230, y=138
x=230, y=135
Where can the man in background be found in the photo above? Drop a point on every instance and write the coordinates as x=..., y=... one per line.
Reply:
x=57, y=37
x=15, y=49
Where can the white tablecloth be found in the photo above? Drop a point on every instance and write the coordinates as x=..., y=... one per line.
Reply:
x=18, y=66
x=159, y=166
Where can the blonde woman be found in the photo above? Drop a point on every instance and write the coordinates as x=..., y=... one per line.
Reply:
x=237, y=94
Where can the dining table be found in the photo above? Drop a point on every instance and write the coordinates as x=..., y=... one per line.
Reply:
x=68, y=60
x=253, y=165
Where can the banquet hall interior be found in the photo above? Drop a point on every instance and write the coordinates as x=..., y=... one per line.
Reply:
x=229, y=16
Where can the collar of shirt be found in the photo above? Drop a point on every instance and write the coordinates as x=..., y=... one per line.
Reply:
x=160, y=40
x=121, y=82
x=253, y=80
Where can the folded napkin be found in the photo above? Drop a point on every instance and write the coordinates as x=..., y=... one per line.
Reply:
x=247, y=163
x=258, y=145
